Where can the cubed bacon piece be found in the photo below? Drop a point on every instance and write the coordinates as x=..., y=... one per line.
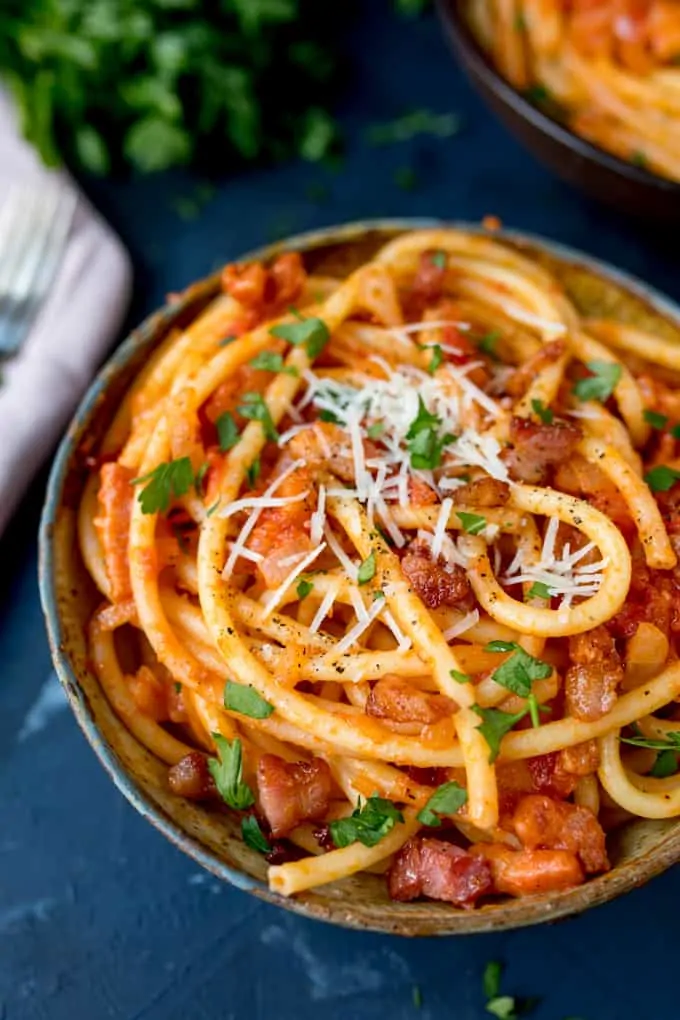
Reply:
x=428, y=283
x=191, y=778
x=543, y=823
x=283, y=531
x=592, y=681
x=437, y=583
x=439, y=871
x=528, y=872
x=291, y=793
x=395, y=699
x=536, y=447
x=113, y=527
x=484, y=492
x=580, y=759
x=653, y=597
x=265, y=290
x=549, y=778
x=522, y=378
x=324, y=446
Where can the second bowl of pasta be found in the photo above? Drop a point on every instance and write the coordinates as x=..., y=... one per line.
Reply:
x=359, y=564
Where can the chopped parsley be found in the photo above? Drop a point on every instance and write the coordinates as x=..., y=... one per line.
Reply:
x=496, y=723
x=270, y=361
x=368, y=823
x=662, y=478
x=412, y=124
x=487, y=344
x=200, y=476
x=666, y=764
x=178, y=687
x=253, y=407
x=503, y=1007
x=439, y=259
x=312, y=334
x=227, y=773
x=638, y=158
x=171, y=479
x=518, y=672
x=436, y=359
x=539, y=590
x=246, y=700
x=656, y=420
x=446, y=800
x=367, y=569
x=417, y=997
x=211, y=509
x=425, y=445
x=304, y=588
x=491, y=979
x=375, y=430
x=227, y=340
x=672, y=742
x=253, y=835
x=472, y=523
x=542, y=412
x=460, y=678
x=253, y=472
x=227, y=432
x=601, y=383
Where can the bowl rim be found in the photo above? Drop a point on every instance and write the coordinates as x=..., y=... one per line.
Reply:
x=493, y=918
x=461, y=35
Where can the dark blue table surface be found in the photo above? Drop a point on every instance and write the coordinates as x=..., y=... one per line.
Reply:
x=99, y=916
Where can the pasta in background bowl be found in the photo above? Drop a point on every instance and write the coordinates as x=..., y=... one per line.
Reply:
x=355, y=585
x=591, y=88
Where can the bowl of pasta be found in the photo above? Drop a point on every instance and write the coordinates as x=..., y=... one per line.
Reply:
x=359, y=567
x=593, y=89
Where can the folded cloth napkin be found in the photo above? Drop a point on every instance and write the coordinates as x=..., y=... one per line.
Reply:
x=81, y=316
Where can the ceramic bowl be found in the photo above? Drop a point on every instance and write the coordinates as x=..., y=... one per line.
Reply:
x=211, y=837
x=631, y=189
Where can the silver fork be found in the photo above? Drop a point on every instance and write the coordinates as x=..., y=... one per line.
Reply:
x=34, y=228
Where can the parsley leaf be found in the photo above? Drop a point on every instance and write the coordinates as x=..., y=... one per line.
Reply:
x=472, y=523
x=200, y=475
x=436, y=359
x=253, y=835
x=424, y=444
x=246, y=700
x=227, y=772
x=412, y=124
x=542, y=412
x=501, y=646
x=460, y=678
x=312, y=334
x=672, y=742
x=662, y=478
x=227, y=432
x=539, y=590
x=601, y=383
x=495, y=724
x=439, y=259
x=491, y=979
x=446, y=800
x=519, y=671
x=666, y=764
x=375, y=430
x=171, y=479
x=367, y=569
x=270, y=361
x=255, y=408
x=502, y=1007
x=304, y=588
x=656, y=420
x=368, y=824
x=487, y=344
x=227, y=340
x=253, y=472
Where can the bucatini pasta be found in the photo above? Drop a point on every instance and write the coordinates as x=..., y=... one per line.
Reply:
x=388, y=566
x=608, y=68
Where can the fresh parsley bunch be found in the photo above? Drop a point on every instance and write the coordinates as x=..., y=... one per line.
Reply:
x=158, y=83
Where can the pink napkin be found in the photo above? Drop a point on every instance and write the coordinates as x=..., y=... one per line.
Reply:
x=82, y=314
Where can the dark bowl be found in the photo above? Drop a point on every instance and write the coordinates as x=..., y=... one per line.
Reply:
x=639, y=850
x=631, y=189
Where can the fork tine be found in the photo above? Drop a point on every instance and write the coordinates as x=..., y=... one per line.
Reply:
x=34, y=275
